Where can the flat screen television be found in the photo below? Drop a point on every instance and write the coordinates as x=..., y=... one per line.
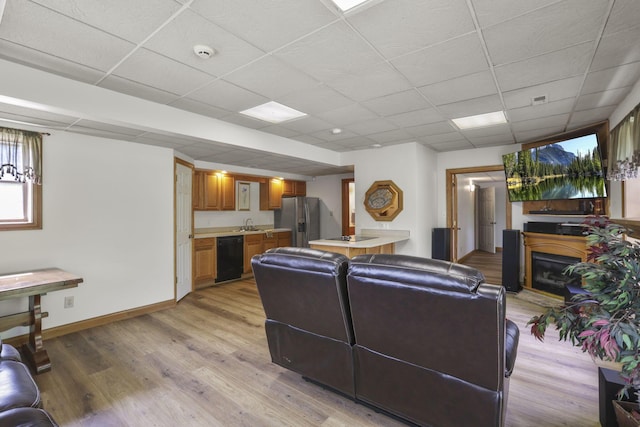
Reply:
x=567, y=169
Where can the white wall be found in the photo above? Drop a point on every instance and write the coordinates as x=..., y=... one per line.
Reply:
x=108, y=217
x=412, y=168
x=329, y=190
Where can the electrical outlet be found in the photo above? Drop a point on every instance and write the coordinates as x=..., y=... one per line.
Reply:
x=68, y=302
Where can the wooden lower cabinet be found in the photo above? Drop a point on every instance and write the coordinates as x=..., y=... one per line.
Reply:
x=258, y=243
x=204, y=262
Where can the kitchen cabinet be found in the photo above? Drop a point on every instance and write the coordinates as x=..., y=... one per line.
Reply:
x=213, y=191
x=252, y=246
x=294, y=188
x=204, y=262
x=258, y=243
x=271, y=194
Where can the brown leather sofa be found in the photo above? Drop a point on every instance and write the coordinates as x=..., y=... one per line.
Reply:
x=432, y=343
x=308, y=326
x=20, y=403
x=423, y=340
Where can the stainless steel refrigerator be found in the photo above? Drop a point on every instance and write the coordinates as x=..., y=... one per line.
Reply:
x=302, y=216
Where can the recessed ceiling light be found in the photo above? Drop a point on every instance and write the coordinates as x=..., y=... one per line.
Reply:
x=336, y=131
x=273, y=112
x=376, y=145
x=481, y=120
x=345, y=5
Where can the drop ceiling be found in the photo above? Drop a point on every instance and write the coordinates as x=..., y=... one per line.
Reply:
x=391, y=72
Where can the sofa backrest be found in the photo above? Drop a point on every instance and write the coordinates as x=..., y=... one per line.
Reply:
x=306, y=289
x=430, y=313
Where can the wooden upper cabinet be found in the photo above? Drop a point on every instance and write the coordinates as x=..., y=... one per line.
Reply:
x=271, y=194
x=213, y=191
x=294, y=188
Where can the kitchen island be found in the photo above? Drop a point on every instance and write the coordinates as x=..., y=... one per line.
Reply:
x=367, y=242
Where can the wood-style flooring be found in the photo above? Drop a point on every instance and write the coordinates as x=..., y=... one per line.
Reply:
x=490, y=264
x=206, y=363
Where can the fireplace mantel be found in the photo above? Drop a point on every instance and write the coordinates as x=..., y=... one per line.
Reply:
x=556, y=244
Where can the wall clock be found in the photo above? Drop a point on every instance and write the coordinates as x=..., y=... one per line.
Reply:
x=383, y=200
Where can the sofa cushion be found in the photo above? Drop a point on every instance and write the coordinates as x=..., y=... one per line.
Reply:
x=27, y=417
x=17, y=388
x=411, y=271
x=9, y=352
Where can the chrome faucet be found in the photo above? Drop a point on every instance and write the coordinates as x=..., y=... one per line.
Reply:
x=248, y=224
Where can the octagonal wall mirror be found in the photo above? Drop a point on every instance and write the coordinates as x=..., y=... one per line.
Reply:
x=383, y=200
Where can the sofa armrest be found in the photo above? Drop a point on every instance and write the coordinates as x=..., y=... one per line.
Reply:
x=511, y=346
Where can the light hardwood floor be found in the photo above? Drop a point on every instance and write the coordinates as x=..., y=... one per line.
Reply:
x=206, y=363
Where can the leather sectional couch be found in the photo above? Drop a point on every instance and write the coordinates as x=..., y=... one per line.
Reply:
x=423, y=340
x=20, y=403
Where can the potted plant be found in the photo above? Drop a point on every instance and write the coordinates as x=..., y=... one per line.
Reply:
x=605, y=320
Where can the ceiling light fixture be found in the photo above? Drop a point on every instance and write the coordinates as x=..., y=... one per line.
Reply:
x=273, y=112
x=345, y=5
x=376, y=145
x=480, y=120
x=336, y=131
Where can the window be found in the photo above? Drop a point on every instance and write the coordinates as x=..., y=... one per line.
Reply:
x=20, y=179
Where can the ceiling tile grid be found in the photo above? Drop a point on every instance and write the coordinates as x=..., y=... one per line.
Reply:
x=392, y=72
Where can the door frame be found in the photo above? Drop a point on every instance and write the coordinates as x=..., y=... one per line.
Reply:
x=346, y=230
x=177, y=161
x=452, y=202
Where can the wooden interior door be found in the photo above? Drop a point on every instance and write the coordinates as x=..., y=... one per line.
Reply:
x=486, y=201
x=183, y=229
x=348, y=207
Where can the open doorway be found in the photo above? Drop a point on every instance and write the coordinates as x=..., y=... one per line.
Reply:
x=478, y=210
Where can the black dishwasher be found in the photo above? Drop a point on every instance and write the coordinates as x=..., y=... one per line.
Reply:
x=230, y=257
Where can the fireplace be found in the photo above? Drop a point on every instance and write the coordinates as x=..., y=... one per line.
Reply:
x=547, y=272
x=554, y=252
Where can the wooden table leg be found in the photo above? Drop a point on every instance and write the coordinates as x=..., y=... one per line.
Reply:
x=34, y=350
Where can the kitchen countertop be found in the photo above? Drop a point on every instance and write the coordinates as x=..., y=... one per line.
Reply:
x=379, y=238
x=201, y=233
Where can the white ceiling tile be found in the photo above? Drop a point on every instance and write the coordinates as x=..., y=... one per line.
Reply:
x=398, y=135
x=266, y=24
x=442, y=137
x=624, y=16
x=416, y=117
x=496, y=131
x=229, y=97
x=89, y=124
x=558, y=65
x=140, y=20
x=466, y=87
x=587, y=117
x=555, y=27
x=369, y=127
x=136, y=89
x=280, y=131
x=617, y=49
x=246, y=121
x=562, y=107
x=177, y=39
x=350, y=114
x=490, y=12
x=160, y=72
x=612, y=78
x=26, y=114
x=554, y=122
x=73, y=40
x=377, y=80
x=444, y=127
x=327, y=135
x=554, y=91
x=454, y=58
x=271, y=77
x=329, y=53
x=538, y=133
x=200, y=108
x=471, y=107
x=461, y=144
x=602, y=99
x=315, y=100
x=402, y=26
x=396, y=103
x=307, y=124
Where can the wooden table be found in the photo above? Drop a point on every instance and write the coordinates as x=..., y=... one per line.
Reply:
x=33, y=284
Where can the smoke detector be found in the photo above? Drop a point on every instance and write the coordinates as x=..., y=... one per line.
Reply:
x=203, y=51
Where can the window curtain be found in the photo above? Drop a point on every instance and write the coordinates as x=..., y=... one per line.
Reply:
x=624, y=148
x=21, y=155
